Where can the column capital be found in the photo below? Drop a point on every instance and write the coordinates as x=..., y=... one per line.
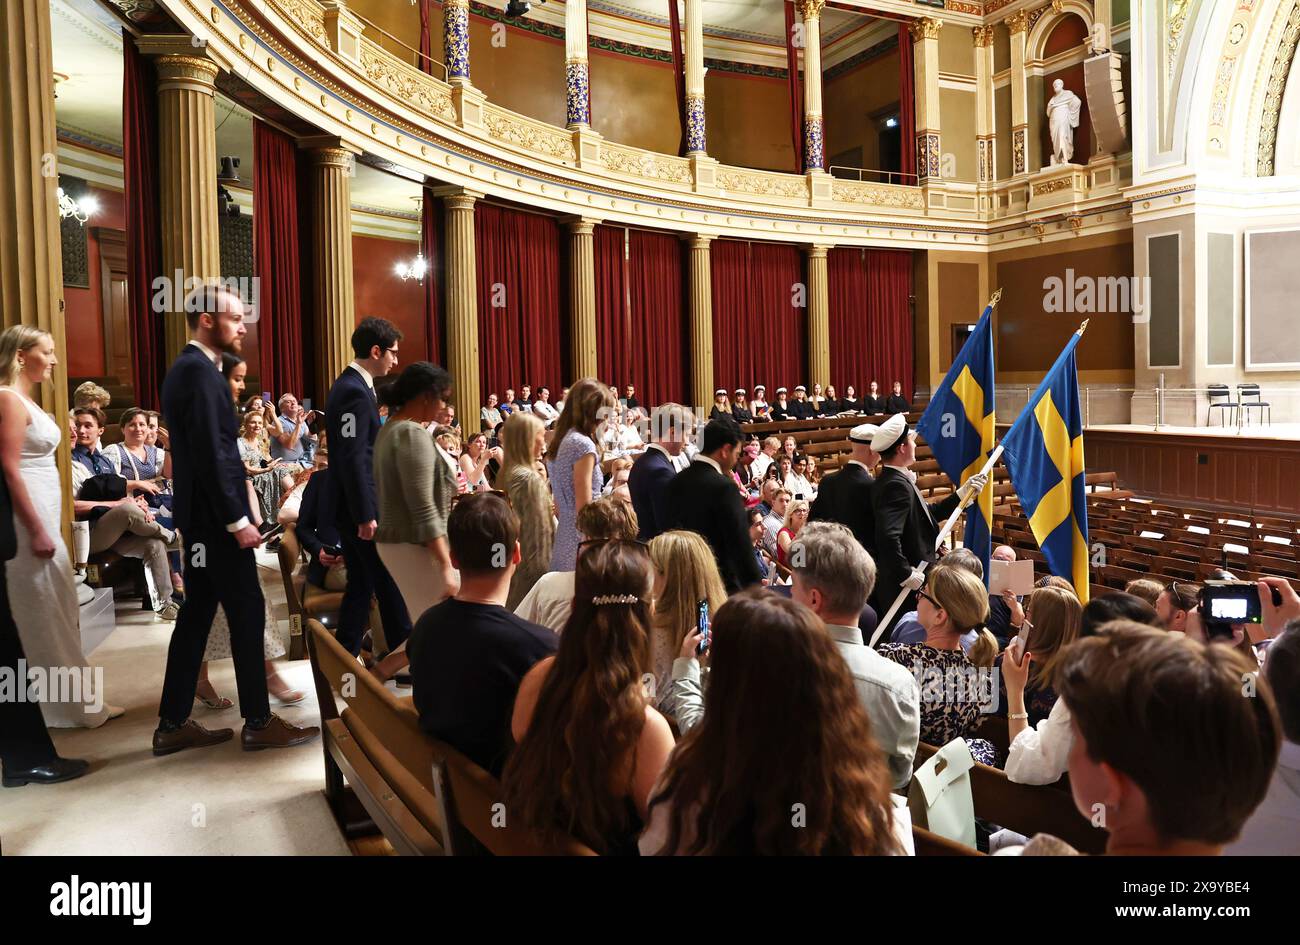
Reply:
x=698, y=240
x=983, y=36
x=925, y=28
x=581, y=226
x=323, y=143
x=1018, y=22
x=810, y=9
x=178, y=49
x=818, y=250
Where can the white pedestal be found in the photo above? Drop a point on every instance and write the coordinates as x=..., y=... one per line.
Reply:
x=98, y=620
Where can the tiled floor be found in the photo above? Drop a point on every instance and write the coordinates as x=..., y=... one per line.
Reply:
x=213, y=801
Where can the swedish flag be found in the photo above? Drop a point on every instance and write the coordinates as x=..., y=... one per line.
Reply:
x=958, y=425
x=1044, y=453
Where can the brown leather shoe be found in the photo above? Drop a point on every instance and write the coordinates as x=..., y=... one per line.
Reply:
x=189, y=735
x=277, y=734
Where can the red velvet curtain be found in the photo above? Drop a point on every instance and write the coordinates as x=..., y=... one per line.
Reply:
x=426, y=37
x=431, y=246
x=641, y=323
x=679, y=69
x=796, y=89
x=760, y=315
x=276, y=258
x=143, y=250
x=519, y=298
x=871, y=324
x=906, y=105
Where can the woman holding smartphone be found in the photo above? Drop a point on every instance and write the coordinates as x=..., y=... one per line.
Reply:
x=685, y=573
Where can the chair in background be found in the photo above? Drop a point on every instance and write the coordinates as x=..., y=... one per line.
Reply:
x=1248, y=399
x=1215, y=392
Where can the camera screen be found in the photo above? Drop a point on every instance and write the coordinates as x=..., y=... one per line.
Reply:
x=1229, y=608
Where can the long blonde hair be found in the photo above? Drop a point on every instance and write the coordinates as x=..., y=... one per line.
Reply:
x=16, y=340
x=690, y=575
x=517, y=439
x=1057, y=616
x=966, y=600
x=263, y=441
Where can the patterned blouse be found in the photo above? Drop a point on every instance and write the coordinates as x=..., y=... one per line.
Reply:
x=952, y=691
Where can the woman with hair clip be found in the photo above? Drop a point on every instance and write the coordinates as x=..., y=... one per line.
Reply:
x=953, y=683
x=764, y=744
x=573, y=465
x=39, y=576
x=590, y=744
x=685, y=573
x=524, y=440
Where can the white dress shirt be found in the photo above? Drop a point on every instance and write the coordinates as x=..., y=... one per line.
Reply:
x=545, y=411
x=1274, y=828
x=550, y=602
x=796, y=484
x=1040, y=755
x=365, y=375
x=759, y=465
x=890, y=695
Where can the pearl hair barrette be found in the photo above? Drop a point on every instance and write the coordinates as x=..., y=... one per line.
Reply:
x=615, y=599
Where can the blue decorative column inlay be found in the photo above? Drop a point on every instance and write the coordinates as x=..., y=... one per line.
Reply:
x=455, y=38
x=695, y=138
x=577, y=93
x=812, y=143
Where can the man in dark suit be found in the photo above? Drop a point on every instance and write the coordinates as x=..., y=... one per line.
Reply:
x=654, y=470
x=704, y=498
x=211, y=511
x=906, y=526
x=27, y=755
x=352, y=423
x=845, y=495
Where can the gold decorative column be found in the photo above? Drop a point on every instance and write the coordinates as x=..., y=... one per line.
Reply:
x=31, y=261
x=1021, y=150
x=333, y=298
x=693, y=54
x=925, y=40
x=582, y=296
x=701, y=276
x=819, y=319
x=462, y=304
x=985, y=129
x=813, y=142
x=187, y=171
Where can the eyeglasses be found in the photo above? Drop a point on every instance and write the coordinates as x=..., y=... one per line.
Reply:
x=935, y=603
x=1181, y=597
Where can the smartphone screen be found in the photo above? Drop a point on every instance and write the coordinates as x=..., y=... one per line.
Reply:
x=702, y=627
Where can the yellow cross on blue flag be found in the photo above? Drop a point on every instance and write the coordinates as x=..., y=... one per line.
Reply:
x=1044, y=453
x=958, y=425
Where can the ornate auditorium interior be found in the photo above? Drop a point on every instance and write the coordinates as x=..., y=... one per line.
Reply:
x=684, y=198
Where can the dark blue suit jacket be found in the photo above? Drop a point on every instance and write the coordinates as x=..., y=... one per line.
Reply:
x=316, y=527
x=352, y=423
x=648, y=482
x=207, y=474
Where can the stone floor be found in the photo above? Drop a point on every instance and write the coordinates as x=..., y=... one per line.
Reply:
x=213, y=801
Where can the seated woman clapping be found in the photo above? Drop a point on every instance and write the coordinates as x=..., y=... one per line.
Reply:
x=590, y=743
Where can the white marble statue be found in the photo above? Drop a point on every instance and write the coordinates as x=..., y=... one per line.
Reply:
x=1100, y=42
x=1062, y=119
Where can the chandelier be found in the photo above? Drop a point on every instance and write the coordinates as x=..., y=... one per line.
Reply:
x=419, y=266
x=80, y=210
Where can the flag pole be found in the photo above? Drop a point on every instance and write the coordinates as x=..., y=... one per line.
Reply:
x=948, y=526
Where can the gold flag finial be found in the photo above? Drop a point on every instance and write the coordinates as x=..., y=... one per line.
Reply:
x=997, y=297
x=1084, y=326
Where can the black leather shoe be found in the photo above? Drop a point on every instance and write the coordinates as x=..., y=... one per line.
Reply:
x=60, y=769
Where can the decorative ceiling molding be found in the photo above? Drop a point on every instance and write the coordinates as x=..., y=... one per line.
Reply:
x=1283, y=59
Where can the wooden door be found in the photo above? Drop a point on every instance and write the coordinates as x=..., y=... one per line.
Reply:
x=117, y=327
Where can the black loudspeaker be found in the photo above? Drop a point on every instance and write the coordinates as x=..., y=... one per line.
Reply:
x=1104, y=84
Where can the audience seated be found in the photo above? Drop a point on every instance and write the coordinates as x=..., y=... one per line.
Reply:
x=1168, y=756
x=1146, y=589
x=765, y=744
x=1003, y=622
x=896, y=402
x=796, y=517
x=468, y=653
x=591, y=745
x=317, y=532
x=834, y=576
x=119, y=515
x=292, y=440
x=1175, y=602
x=490, y=415
x=954, y=684
x=550, y=601
x=685, y=573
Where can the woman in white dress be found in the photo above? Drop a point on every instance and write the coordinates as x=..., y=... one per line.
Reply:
x=40, y=575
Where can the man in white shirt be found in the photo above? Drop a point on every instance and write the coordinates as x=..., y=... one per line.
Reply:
x=834, y=576
x=771, y=446
x=542, y=406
